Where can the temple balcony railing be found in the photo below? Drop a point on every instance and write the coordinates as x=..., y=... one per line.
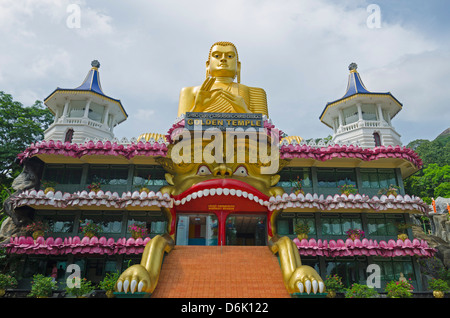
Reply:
x=80, y=121
x=362, y=124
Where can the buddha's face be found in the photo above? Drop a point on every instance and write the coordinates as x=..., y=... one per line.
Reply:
x=223, y=61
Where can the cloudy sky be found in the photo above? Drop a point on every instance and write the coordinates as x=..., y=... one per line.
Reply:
x=297, y=50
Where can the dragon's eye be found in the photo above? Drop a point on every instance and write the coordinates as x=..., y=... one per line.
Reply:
x=241, y=172
x=203, y=171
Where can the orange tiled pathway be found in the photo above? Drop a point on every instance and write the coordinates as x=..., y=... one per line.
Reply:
x=215, y=272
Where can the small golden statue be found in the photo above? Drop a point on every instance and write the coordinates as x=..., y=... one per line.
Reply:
x=219, y=93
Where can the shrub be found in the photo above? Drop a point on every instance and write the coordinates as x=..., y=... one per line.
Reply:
x=301, y=228
x=438, y=284
x=42, y=286
x=360, y=291
x=333, y=283
x=399, y=289
x=7, y=281
x=109, y=282
x=348, y=189
x=84, y=287
x=89, y=227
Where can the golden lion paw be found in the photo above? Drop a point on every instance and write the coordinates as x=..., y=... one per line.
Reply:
x=135, y=278
x=306, y=279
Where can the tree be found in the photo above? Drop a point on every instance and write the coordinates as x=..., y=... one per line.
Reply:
x=434, y=179
x=436, y=151
x=19, y=127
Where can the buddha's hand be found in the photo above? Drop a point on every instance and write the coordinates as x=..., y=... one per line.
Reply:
x=205, y=96
x=305, y=278
x=134, y=278
x=236, y=101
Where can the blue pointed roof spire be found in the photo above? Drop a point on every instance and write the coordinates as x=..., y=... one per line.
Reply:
x=356, y=89
x=92, y=80
x=90, y=86
x=355, y=84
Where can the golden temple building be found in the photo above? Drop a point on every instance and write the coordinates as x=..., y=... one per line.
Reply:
x=250, y=213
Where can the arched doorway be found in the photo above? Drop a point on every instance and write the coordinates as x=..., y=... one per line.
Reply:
x=377, y=138
x=69, y=135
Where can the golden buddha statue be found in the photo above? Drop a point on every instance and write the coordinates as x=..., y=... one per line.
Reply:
x=220, y=93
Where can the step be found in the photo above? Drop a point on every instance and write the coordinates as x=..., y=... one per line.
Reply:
x=220, y=272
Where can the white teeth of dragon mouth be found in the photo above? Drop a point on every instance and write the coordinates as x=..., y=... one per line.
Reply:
x=221, y=191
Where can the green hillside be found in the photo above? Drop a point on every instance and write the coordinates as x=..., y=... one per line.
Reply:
x=434, y=179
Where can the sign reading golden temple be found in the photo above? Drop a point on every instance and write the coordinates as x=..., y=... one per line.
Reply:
x=223, y=121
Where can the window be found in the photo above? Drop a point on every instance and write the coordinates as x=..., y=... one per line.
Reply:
x=350, y=115
x=108, y=174
x=377, y=138
x=333, y=178
x=288, y=176
x=76, y=109
x=383, y=225
x=310, y=221
x=110, y=223
x=96, y=112
x=63, y=174
x=138, y=222
x=340, y=224
x=369, y=112
x=286, y=223
x=392, y=267
x=34, y=265
x=352, y=270
x=60, y=224
x=95, y=269
x=149, y=176
x=69, y=135
x=378, y=178
x=44, y=265
x=154, y=225
x=61, y=266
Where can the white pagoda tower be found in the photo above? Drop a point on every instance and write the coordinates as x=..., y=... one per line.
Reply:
x=84, y=112
x=361, y=116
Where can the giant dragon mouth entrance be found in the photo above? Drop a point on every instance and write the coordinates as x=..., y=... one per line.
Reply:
x=221, y=212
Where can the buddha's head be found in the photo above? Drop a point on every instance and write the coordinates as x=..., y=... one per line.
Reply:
x=223, y=61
